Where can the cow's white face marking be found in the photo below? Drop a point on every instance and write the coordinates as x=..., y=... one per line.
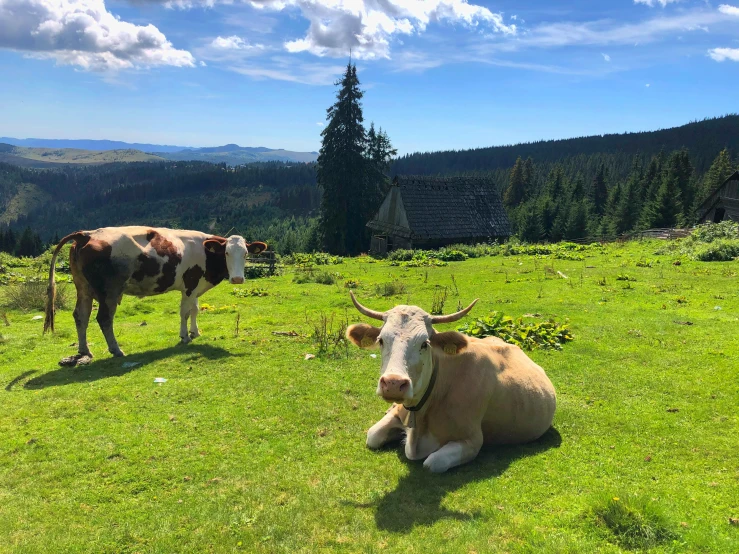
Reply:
x=406, y=355
x=235, y=259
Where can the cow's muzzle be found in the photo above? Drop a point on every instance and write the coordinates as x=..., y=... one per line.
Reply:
x=395, y=387
x=237, y=280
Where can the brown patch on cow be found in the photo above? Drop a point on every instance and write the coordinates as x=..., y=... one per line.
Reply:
x=148, y=267
x=450, y=342
x=191, y=278
x=363, y=335
x=215, y=267
x=165, y=249
x=216, y=245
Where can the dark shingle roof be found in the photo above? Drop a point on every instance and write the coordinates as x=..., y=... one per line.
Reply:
x=452, y=207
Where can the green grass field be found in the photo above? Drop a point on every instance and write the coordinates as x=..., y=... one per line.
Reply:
x=249, y=447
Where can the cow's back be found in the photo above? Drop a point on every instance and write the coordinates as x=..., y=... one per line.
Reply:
x=498, y=385
x=522, y=400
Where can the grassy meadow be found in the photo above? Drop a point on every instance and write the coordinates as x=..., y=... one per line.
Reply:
x=250, y=447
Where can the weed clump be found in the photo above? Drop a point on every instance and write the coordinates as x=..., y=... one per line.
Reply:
x=31, y=296
x=633, y=524
x=393, y=288
x=330, y=336
x=528, y=335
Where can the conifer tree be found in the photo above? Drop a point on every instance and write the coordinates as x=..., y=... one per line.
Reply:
x=516, y=190
x=529, y=225
x=341, y=170
x=577, y=220
x=720, y=170
x=599, y=191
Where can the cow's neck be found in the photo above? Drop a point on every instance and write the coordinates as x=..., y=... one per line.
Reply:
x=423, y=400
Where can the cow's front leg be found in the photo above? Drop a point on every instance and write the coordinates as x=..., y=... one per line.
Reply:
x=389, y=428
x=454, y=453
x=186, y=305
x=194, y=331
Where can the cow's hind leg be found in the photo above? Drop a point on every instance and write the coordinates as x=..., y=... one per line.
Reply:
x=194, y=330
x=81, y=314
x=388, y=429
x=454, y=453
x=106, y=314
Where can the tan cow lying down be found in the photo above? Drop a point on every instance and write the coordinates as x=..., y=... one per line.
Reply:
x=452, y=392
x=144, y=261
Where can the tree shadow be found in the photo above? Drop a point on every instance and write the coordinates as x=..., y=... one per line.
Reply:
x=115, y=367
x=417, y=498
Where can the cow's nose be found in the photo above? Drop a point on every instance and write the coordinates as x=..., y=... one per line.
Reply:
x=237, y=280
x=394, y=387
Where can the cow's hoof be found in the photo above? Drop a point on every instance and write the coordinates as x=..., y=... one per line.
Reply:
x=194, y=334
x=185, y=340
x=77, y=359
x=117, y=353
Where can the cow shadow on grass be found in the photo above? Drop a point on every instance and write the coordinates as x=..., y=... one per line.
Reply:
x=115, y=367
x=417, y=498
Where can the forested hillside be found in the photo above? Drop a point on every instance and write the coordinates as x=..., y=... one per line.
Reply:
x=268, y=201
x=703, y=139
x=553, y=190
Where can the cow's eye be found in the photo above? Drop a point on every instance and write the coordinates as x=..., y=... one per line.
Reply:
x=424, y=345
x=381, y=342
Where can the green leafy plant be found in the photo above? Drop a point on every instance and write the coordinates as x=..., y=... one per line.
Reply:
x=529, y=335
x=246, y=293
x=393, y=288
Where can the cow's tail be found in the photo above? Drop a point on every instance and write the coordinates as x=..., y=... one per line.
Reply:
x=51, y=288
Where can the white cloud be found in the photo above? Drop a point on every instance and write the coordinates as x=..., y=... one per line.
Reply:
x=85, y=34
x=723, y=54
x=606, y=57
x=728, y=10
x=288, y=69
x=652, y=3
x=368, y=26
x=648, y=85
x=319, y=123
x=233, y=43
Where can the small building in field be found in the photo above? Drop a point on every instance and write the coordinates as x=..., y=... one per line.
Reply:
x=722, y=204
x=431, y=212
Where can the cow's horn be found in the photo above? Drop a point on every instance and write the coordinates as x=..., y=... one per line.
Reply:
x=366, y=311
x=453, y=317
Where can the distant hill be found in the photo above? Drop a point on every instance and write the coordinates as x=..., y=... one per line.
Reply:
x=86, y=144
x=49, y=157
x=704, y=139
x=231, y=154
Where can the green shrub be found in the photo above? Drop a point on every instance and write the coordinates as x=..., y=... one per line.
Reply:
x=303, y=276
x=401, y=255
x=449, y=255
x=527, y=335
x=308, y=260
x=720, y=250
x=246, y=293
x=31, y=296
x=709, y=232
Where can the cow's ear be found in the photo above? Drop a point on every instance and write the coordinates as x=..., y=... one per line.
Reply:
x=216, y=245
x=256, y=247
x=450, y=342
x=363, y=335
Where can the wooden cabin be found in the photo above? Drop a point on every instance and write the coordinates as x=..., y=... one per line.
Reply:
x=430, y=212
x=722, y=204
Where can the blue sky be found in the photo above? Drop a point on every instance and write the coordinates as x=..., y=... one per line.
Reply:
x=438, y=74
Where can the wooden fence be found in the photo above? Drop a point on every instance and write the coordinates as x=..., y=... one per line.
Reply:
x=665, y=234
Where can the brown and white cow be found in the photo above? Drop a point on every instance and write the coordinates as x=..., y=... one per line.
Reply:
x=144, y=261
x=452, y=392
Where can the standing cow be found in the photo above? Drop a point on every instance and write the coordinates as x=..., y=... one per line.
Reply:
x=452, y=392
x=143, y=261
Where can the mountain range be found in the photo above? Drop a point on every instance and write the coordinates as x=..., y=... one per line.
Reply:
x=42, y=152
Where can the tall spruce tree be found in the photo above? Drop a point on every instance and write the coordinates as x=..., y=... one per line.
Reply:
x=720, y=170
x=516, y=190
x=342, y=173
x=599, y=190
x=379, y=154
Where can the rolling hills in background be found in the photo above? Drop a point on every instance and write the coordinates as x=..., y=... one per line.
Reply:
x=91, y=151
x=49, y=157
